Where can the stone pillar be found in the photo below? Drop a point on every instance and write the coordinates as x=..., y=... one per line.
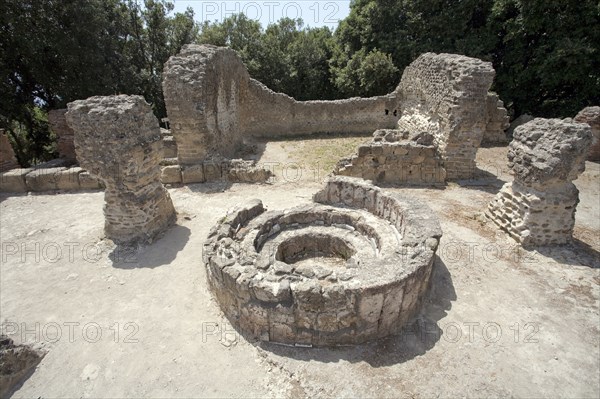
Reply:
x=117, y=138
x=64, y=134
x=447, y=95
x=203, y=86
x=538, y=207
x=8, y=160
x=591, y=116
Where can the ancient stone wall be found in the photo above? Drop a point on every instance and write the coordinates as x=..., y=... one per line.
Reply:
x=397, y=157
x=118, y=139
x=8, y=160
x=591, y=116
x=213, y=104
x=545, y=156
x=446, y=95
x=64, y=133
x=497, y=121
x=269, y=114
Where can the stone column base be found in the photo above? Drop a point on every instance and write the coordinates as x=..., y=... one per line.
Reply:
x=535, y=218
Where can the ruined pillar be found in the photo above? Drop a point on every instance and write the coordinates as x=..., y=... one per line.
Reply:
x=117, y=139
x=538, y=207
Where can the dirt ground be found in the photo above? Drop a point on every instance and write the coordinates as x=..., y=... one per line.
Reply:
x=498, y=321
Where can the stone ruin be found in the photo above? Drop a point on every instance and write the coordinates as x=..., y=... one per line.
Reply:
x=538, y=207
x=214, y=107
x=16, y=362
x=445, y=110
x=213, y=104
x=395, y=156
x=8, y=160
x=118, y=139
x=591, y=116
x=64, y=134
x=497, y=121
x=349, y=268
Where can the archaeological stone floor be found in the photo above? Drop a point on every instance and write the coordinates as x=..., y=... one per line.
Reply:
x=498, y=320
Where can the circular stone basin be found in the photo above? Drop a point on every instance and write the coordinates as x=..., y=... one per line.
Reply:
x=351, y=269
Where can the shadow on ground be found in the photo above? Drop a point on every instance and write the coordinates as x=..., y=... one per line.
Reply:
x=577, y=253
x=160, y=253
x=415, y=340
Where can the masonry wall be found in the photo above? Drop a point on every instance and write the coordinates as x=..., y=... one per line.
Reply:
x=496, y=121
x=7, y=155
x=591, y=116
x=446, y=95
x=213, y=104
x=395, y=157
x=64, y=134
x=266, y=113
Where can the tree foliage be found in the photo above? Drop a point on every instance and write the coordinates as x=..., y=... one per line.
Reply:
x=546, y=53
x=55, y=52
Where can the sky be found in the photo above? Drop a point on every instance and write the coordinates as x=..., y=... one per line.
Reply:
x=314, y=13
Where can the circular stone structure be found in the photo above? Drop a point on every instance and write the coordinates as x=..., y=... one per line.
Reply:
x=349, y=268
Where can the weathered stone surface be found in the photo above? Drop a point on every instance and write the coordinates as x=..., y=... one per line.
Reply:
x=538, y=207
x=213, y=103
x=320, y=274
x=520, y=120
x=118, y=139
x=497, y=121
x=44, y=179
x=547, y=152
x=591, y=116
x=64, y=133
x=398, y=157
x=69, y=179
x=16, y=362
x=8, y=160
x=169, y=147
x=170, y=174
x=13, y=181
x=89, y=182
x=193, y=174
x=446, y=95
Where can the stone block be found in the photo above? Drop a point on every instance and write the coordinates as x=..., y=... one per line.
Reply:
x=192, y=174
x=43, y=179
x=170, y=174
x=13, y=181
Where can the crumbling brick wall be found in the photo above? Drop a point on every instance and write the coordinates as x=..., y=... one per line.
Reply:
x=591, y=116
x=7, y=155
x=397, y=157
x=64, y=134
x=497, y=121
x=118, y=139
x=213, y=104
x=446, y=95
x=538, y=207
